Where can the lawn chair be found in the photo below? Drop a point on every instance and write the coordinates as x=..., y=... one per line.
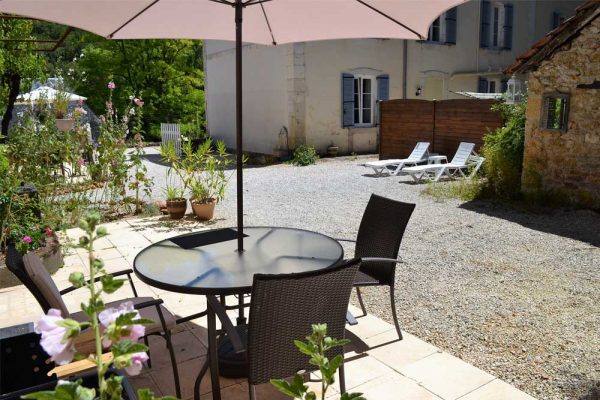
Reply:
x=393, y=166
x=42, y=286
x=377, y=244
x=171, y=133
x=464, y=159
x=282, y=310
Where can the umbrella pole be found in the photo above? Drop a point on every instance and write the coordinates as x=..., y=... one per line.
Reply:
x=239, y=6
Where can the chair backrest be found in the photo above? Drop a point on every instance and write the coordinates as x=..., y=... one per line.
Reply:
x=282, y=310
x=462, y=153
x=171, y=133
x=419, y=152
x=42, y=280
x=380, y=234
x=15, y=264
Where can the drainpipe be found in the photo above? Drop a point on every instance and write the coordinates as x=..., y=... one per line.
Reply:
x=404, y=66
x=478, y=44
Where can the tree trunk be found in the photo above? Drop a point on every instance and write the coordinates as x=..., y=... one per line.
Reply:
x=14, y=82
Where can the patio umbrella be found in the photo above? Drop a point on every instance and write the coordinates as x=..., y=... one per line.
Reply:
x=266, y=22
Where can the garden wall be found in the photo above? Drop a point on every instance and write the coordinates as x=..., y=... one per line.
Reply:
x=443, y=123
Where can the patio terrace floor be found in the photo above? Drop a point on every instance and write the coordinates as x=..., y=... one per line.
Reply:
x=377, y=364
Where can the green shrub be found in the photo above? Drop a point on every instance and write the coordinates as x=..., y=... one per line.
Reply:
x=503, y=151
x=463, y=189
x=304, y=155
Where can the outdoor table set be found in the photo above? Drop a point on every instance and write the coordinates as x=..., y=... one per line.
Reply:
x=209, y=263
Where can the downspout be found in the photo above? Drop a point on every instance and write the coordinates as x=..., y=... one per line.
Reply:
x=478, y=43
x=404, y=66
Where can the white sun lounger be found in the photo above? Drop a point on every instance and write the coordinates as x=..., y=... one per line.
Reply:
x=393, y=166
x=464, y=158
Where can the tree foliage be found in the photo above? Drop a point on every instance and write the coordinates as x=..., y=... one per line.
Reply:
x=167, y=74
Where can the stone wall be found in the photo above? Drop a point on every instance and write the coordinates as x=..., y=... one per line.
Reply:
x=566, y=164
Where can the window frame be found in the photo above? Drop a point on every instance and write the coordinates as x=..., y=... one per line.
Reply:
x=496, y=28
x=360, y=106
x=441, y=30
x=545, y=111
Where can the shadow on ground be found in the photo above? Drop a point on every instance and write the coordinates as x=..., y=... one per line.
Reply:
x=581, y=225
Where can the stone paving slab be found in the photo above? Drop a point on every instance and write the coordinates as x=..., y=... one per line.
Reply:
x=377, y=363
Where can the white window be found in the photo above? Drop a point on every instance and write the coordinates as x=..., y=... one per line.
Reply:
x=364, y=95
x=435, y=30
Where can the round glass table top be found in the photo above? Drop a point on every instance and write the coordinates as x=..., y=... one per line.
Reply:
x=208, y=262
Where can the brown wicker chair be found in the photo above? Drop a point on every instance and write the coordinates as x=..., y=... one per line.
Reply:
x=283, y=308
x=377, y=244
x=40, y=283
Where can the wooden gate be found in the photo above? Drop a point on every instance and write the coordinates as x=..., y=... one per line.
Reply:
x=443, y=123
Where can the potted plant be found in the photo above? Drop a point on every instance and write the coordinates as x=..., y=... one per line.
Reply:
x=332, y=150
x=176, y=202
x=61, y=107
x=208, y=180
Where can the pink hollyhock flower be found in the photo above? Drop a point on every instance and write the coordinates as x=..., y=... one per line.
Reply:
x=110, y=315
x=111, y=85
x=136, y=363
x=122, y=141
x=48, y=232
x=109, y=105
x=80, y=162
x=61, y=351
x=138, y=102
x=27, y=239
x=113, y=162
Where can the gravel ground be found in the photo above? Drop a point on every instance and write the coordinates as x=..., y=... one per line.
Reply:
x=512, y=292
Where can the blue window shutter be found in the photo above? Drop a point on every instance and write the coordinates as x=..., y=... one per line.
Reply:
x=508, y=26
x=347, y=100
x=484, y=33
x=383, y=87
x=503, y=85
x=451, y=26
x=482, y=85
x=555, y=20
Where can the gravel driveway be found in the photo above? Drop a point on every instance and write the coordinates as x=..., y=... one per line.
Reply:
x=511, y=292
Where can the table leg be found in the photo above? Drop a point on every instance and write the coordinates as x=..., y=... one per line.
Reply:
x=241, y=319
x=212, y=354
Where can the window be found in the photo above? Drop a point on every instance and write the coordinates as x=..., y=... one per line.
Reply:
x=360, y=95
x=363, y=100
x=443, y=29
x=496, y=25
x=555, y=111
x=434, y=31
x=487, y=86
x=492, y=87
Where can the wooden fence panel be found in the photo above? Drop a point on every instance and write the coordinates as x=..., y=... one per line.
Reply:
x=403, y=123
x=443, y=123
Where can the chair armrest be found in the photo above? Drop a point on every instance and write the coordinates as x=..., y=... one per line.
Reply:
x=216, y=306
x=127, y=272
x=149, y=303
x=381, y=259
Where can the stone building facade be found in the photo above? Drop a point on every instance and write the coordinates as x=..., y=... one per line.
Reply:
x=562, y=134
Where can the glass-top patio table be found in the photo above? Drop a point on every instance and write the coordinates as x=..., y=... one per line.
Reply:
x=208, y=263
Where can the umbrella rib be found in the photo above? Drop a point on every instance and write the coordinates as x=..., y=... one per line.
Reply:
x=268, y=24
x=390, y=18
x=132, y=18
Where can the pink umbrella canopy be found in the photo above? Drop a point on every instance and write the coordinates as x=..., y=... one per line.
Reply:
x=265, y=22
x=261, y=21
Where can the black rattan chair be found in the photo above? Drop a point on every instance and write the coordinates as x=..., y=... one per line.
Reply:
x=283, y=308
x=377, y=244
x=30, y=270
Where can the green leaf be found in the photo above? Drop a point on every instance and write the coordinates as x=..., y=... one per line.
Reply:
x=125, y=347
x=110, y=284
x=147, y=394
x=282, y=385
x=114, y=386
x=352, y=396
x=101, y=231
x=44, y=395
x=72, y=328
x=84, y=241
x=304, y=347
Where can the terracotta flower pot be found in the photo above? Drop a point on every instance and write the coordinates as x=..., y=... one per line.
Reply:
x=204, y=211
x=65, y=124
x=176, y=208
